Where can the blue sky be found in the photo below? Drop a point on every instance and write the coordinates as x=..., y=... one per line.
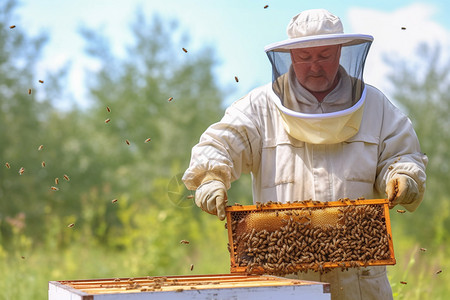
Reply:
x=237, y=29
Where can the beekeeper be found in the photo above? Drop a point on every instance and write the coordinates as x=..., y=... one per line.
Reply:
x=316, y=132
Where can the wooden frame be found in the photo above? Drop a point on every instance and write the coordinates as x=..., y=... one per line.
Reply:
x=230, y=210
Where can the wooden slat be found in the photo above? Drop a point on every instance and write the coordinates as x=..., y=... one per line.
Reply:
x=177, y=283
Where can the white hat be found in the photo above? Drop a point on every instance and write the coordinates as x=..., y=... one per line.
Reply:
x=316, y=27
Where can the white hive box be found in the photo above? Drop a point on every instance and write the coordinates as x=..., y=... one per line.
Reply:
x=222, y=286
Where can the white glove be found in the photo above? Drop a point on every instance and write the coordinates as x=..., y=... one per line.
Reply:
x=211, y=196
x=402, y=189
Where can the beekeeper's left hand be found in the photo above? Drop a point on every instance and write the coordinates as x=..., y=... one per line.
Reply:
x=402, y=189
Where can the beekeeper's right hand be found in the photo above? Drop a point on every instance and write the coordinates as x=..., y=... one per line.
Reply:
x=211, y=196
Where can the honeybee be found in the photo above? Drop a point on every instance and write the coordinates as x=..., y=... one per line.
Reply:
x=56, y=180
x=71, y=225
x=190, y=197
x=423, y=249
x=401, y=211
x=29, y=91
x=40, y=147
x=235, y=78
x=12, y=26
x=7, y=165
x=114, y=200
x=170, y=99
x=185, y=51
x=107, y=120
x=21, y=170
x=403, y=282
x=184, y=242
x=403, y=28
x=54, y=188
x=438, y=272
x=266, y=6
x=43, y=164
x=108, y=109
x=66, y=177
x=41, y=81
x=128, y=142
x=192, y=267
x=147, y=140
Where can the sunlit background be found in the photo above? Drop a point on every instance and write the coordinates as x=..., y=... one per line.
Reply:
x=91, y=81
x=237, y=30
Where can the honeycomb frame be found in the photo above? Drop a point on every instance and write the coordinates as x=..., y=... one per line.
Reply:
x=255, y=232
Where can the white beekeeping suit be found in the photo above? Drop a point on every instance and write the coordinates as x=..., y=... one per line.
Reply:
x=354, y=143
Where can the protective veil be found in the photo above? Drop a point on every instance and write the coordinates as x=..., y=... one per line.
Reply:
x=320, y=28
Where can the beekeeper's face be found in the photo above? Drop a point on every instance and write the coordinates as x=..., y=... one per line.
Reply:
x=316, y=67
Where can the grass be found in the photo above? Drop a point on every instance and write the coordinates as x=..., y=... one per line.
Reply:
x=26, y=267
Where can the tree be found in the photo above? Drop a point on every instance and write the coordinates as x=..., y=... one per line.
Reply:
x=422, y=88
x=20, y=118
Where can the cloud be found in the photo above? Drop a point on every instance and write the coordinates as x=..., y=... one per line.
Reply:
x=397, y=34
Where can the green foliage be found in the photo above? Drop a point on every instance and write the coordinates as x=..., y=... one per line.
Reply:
x=91, y=162
x=139, y=233
x=422, y=89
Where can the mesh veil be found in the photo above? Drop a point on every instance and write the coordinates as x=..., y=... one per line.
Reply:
x=352, y=59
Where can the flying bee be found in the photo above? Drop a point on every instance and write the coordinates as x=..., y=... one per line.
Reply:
x=71, y=225
x=12, y=26
x=235, y=78
x=107, y=120
x=40, y=147
x=170, y=99
x=184, y=242
x=56, y=180
x=21, y=170
x=401, y=211
x=114, y=200
x=7, y=165
x=192, y=267
x=403, y=28
x=190, y=197
x=43, y=164
x=147, y=140
x=266, y=6
x=108, y=109
x=185, y=51
x=438, y=272
x=66, y=177
x=54, y=188
x=423, y=249
x=41, y=81
x=128, y=142
x=29, y=91
x=403, y=282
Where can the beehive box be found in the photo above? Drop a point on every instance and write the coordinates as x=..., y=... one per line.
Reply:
x=220, y=286
x=279, y=239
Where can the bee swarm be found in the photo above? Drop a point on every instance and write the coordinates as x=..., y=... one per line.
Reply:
x=285, y=241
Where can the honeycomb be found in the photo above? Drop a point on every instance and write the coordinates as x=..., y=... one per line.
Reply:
x=286, y=238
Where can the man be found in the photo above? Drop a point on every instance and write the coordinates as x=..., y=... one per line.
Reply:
x=316, y=132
